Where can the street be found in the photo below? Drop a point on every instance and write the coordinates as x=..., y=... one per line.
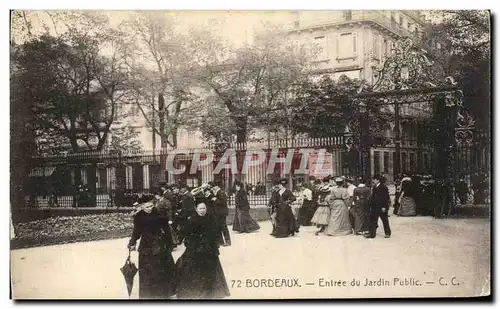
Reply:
x=424, y=257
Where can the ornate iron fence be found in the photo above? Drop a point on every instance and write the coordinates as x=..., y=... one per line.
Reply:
x=112, y=179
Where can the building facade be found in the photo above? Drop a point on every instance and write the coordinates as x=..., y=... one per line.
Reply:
x=353, y=43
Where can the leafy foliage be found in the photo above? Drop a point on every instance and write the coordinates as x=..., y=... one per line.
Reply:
x=324, y=108
x=157, y=59
x=72, y=90
x=248, y=81
x=125, y=138
x=64, y=227
x=461, y=44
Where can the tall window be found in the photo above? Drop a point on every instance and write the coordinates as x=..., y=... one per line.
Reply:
x=376, y=162
x=102, y=177
x=393, y=16
x=386, y=162
x=376, y=47
x=128, y=177
x=111, y=178
x=346, y=45
x=347, y=15
x=84, y=176
x=404, y=161
x=413, y=162
x=320, y=42
x=136, y=112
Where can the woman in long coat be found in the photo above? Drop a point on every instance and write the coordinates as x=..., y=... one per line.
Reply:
x=243, y=222
x=286, y=224
x=339, y=223
x=200, y=274
x=157, y=272
x=361, y=209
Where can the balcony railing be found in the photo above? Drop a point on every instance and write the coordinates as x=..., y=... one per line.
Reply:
x=377, y=17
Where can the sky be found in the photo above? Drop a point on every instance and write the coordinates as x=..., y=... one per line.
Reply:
x=236, y=26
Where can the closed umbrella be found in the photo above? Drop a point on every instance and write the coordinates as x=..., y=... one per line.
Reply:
x=129, y=270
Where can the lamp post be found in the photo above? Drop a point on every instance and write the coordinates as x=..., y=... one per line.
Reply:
x=397, y=141
x=365, y=141
x=403, y=77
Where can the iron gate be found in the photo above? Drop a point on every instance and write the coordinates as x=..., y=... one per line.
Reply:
x=413, y=121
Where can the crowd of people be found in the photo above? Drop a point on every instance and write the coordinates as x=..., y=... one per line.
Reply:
x=197, y=217
x=335, y=205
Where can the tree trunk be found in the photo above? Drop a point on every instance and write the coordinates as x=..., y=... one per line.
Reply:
x=174, y=138
x=161, y=115
x=241, y=128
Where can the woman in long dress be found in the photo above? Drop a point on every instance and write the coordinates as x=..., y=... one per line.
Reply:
x=285, y=223
x=157, y=272
x=199, y=270
x=322, y=214
x=361, y=209
x=339, y=223
x=243, y=222
x=306, y=197
x=397, y=195
x=407, y=203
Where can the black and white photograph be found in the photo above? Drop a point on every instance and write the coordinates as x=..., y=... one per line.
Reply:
x=250, y=154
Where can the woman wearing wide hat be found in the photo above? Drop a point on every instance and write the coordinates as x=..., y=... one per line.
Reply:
x=157, y=274
x=338, y=223
x=243, y=222
x=408, y=206
x=322, y=214
x=285, y=224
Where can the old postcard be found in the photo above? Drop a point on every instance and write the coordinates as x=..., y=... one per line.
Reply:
x=250, y=154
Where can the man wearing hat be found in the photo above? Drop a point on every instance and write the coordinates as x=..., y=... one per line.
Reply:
x=187, y=209
x=273, y=203
x=425, y=207
x=203, y=194
x=166, y=205
x=219, y=200
x=379, y=207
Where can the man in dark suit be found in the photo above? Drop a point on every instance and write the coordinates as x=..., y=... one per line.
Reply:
x=219, y=200
x=379, y=207
x=185, y=210
x=166, y=205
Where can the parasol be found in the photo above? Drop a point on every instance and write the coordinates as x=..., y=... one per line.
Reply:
x=129, y=270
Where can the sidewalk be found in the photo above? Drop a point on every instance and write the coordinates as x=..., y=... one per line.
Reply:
x=421, y=248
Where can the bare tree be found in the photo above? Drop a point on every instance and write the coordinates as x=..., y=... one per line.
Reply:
x=156, y=60
x=250, y=81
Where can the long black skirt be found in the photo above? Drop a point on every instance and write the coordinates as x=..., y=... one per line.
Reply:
x=201, y=277
x=361, y=216
x=243, y=222
x=286, y=224
x=306, y=212
x=157, y=275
